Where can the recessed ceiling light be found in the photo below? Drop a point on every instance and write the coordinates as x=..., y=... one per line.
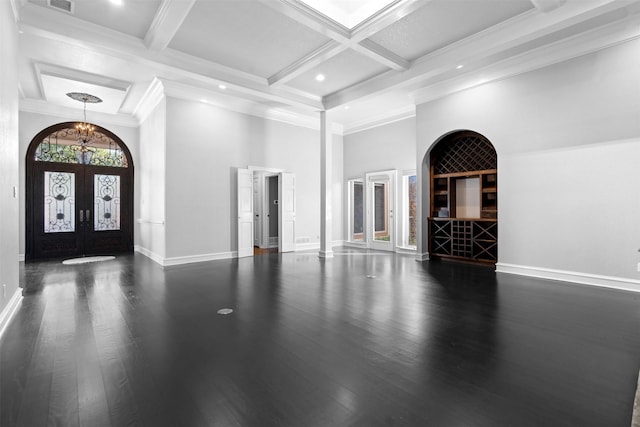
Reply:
x=459, y=66
x=203, y=100
x=221, y=86
x=346, y=107
x=320, y=77
x=117, y=2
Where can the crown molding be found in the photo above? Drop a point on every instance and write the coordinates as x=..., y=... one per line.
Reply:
x=381, y=120
x=150, y=100
x=240, y=105
x=495, y=43
x=45, y=108
x=572, y=47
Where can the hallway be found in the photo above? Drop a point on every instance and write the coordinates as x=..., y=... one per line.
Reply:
x=363, y=339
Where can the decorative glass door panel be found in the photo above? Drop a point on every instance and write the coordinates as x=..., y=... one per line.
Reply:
x=59, y=202
x=106, y=203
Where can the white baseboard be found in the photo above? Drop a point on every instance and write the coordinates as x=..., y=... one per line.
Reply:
x=407, y=251
x=325, y=254
x=149, y=254
x=190, y=259
x=10, y=310
x=307, y=246
x=570, y=276
x=316, y=245
x=355, y=245
x=424, y=256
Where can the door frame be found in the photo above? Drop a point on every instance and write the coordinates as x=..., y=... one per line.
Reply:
x=263, y=172
x=370, y=179
x=32, y=166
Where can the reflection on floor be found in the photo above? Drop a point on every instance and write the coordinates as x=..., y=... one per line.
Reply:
x=262, y=251
x=377, y=340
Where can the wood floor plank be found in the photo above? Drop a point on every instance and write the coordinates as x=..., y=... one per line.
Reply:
x=364, y=339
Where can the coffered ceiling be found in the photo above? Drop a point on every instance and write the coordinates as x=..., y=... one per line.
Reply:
x=266, y=56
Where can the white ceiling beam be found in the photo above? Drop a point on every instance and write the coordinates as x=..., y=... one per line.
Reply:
x=105, y=45
x=547, y=5
x=356, y=39
x=168, y=20
x=310, y=18
x=317, y=57
x=386, y=17
x=382, y=55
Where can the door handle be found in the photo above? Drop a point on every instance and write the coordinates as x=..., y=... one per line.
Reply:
x=88, y=215
x=81, y=215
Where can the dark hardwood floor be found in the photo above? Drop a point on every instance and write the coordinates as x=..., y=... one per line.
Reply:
x=315, y=342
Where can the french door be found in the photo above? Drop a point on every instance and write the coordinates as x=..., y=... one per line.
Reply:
x=79, y=210
x=380, y=210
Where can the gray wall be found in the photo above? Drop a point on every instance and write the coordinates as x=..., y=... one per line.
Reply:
x=204, y=147
x=8, y=155
x=387, y=147
x=568, y=143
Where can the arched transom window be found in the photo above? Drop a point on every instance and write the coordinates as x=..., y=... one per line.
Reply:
x=68, y=146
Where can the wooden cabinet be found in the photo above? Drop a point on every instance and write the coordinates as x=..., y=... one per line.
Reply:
x=489, y=199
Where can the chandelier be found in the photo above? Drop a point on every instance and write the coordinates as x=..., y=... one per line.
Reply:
x=84, y=130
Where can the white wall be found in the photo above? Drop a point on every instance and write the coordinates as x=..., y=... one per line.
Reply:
x=551, y=209
x=33, y=123
x=8, y=155
x=205, y=146
x=150, y=178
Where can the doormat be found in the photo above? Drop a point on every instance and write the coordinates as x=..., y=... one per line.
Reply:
x=87, y=259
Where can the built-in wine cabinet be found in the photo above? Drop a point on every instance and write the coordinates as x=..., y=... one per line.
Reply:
x=464, y=199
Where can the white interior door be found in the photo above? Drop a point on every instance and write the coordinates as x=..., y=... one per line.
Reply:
x=257, y=223
x=245, y=213
x=287, y=212
x=380, y=211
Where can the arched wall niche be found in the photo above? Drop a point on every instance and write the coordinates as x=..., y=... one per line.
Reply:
x=459, y=199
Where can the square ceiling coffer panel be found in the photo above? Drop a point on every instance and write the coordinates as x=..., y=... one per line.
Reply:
x=62, y=5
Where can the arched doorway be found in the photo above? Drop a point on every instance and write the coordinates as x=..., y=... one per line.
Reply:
x=79, y=194
x=463, y=214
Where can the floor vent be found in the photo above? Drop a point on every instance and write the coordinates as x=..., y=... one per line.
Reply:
x=62, y=5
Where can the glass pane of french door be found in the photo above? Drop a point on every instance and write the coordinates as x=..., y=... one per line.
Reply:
x=381, y=231
x=357, y=211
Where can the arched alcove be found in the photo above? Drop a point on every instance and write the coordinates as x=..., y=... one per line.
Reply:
x=463, y=198
x=79, y=193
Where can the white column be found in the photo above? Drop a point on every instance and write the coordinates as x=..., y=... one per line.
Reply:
x=326, y=174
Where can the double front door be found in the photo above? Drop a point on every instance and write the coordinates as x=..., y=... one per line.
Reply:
x=79, y=210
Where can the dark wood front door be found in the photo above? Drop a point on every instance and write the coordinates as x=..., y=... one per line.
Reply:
x=80, y=210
